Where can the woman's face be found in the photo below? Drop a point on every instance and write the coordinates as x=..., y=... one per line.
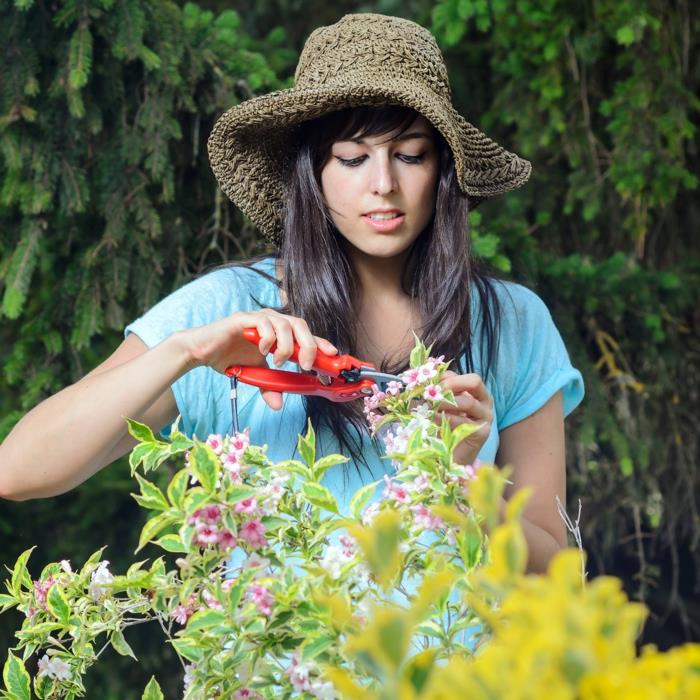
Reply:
x=365, y=181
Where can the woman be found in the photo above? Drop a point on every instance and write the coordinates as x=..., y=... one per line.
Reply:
x=362, y=175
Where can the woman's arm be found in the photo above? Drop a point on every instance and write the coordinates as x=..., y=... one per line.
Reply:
x=70, y=436
x=535, y=449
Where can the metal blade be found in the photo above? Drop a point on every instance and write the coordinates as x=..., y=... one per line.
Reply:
x=378, y=377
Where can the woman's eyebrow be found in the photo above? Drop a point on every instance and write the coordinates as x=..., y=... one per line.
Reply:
x=400, y=137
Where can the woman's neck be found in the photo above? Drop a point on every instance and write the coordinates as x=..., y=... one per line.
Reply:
x=379, y=280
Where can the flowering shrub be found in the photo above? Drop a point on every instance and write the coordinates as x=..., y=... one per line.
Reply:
x=266, y=590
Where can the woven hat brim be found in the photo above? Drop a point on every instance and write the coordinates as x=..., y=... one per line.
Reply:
x=251, y=148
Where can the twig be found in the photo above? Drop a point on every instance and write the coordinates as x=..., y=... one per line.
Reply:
x=575, y=529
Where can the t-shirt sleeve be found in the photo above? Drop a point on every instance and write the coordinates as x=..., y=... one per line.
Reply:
x=532, y=363
x=199, y=393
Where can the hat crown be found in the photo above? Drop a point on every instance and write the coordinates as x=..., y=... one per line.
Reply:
x=375, y=45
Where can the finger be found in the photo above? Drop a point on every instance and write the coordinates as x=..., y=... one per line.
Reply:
x=456, y=420
x=469, y=406
x=306, y=342
x=325, y=346
x=267, y=334
x=285, y=339
x=471, y=383
x=272, y=398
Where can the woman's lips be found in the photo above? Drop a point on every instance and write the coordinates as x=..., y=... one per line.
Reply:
x=384, y=224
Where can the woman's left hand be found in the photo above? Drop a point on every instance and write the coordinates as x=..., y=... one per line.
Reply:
x=474, y=405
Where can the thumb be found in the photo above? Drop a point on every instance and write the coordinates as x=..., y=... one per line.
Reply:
x=272, y=398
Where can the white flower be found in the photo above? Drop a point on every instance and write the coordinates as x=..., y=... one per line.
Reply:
x=189, y=675
x=54, y=668
x=323, y=691
x=100, y=576
x=333, y=561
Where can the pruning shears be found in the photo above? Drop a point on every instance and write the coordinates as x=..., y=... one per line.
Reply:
x=351, y=378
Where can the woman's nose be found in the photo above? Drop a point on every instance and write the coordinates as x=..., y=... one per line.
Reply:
x=382, y=175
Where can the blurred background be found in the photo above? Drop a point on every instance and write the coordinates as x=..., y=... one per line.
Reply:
x=107, y=203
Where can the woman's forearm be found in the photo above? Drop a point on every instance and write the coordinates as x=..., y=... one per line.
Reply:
x=541, y=545
x=71, y=435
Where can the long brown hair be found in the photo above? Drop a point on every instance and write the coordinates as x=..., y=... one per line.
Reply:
x=320, y=284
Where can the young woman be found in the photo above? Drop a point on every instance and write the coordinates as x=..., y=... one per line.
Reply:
x=362, y=176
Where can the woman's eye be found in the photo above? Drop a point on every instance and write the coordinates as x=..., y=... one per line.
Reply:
x=411, y=159
x=350, y=162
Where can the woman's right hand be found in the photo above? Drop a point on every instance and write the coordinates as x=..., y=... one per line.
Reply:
x=221, y=344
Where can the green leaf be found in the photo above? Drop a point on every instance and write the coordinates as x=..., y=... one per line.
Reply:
x=317, y=646
x=204, y=619
x=152, y=690
x=307, y=445
x=58, y=604
x=319, y=496
x=153, y=527
x=7, y=601
x=21, y=268
x=188, y=648
x=177, y=487
x=326, y=463
x=419, y=354
x=120, y=644
x=361, y=498
x=141, y=453
x=79, y=57
x=20, y=574
x=296, y=467
x=151, y=496
x=625, y=35
x=239, y=492
x=17, y=682
x=205, y=465
x=171, y=543
x=140, y=432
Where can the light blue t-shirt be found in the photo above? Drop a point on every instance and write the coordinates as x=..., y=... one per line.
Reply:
x=530, y=366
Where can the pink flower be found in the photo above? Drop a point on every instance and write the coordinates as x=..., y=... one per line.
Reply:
x=393, y=388
x=466, y=473
x=349, y=546
x=396, y=491
x=433, y=392
x=41, y=590
x=411, y=378
x=396, y=441
x=299, y=674
x=253, y=533
x=240, y=441
x=255, y=561
x=420, y=483
x=227, y=540
x=206, y=534
x=246, y=694
x=216, y=443
x=181, y=614
x=261, y=597
x=232, y=464
x=210, y=601
x=424, y=519
x=370, y=513
x=247, y=506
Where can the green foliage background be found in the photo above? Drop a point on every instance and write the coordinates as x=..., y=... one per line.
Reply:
x=107, y=203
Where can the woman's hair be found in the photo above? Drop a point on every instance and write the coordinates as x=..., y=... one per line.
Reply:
x=320, y=284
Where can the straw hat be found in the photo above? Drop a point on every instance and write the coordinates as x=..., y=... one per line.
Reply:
x=363, y=59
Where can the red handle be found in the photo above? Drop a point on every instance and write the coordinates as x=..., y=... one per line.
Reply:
x=296, y=383
x=331, y=365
